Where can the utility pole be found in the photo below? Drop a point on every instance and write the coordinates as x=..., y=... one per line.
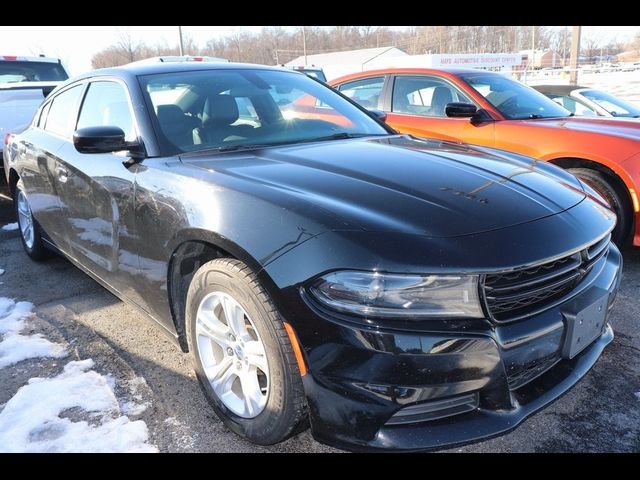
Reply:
x=304, y=45
x=575, y=52
x=533, y=48
x=181, y=44
x=565, y=38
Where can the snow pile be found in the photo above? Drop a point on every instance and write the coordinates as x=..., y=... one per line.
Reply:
x=33, y=420
x=9, y=227
x=1, y=271
x=15, y=347
x=637, y=394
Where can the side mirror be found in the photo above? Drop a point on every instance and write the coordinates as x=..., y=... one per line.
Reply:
x=460, y=110
x=107, y=139
x=104, y=139
x=379, y=114
x=467, y=110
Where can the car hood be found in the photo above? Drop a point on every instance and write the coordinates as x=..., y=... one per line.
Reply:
x=400, y=183
x=619, y=127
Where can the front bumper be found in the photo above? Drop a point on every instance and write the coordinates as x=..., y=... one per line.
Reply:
x=361, y=379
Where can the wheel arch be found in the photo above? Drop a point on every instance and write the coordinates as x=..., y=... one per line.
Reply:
x=617, y=181
x=190, y=250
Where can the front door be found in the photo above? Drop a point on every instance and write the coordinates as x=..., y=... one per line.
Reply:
x=418, y=107
x=98, y=192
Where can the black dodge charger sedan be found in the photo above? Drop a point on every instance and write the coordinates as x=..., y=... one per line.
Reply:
x=390, y=291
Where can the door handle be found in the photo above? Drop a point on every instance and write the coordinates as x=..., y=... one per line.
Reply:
x=63, y=174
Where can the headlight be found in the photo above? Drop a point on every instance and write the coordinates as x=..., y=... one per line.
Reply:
x=375, y=294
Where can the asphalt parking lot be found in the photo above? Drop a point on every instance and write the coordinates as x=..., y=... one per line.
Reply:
x=600, y=414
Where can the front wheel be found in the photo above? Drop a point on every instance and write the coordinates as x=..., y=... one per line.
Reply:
x=601, y=184
x=242, y=355
x=30, y=231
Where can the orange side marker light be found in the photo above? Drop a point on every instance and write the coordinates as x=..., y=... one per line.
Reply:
x=296, y=349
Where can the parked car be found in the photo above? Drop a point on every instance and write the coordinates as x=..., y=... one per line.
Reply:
x=179, y=58
x=589, y=101
x=24, y=83
x=311, y=70
x=398, y=293
x=493, y=110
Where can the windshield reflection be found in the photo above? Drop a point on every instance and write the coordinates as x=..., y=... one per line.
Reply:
x=238, y=109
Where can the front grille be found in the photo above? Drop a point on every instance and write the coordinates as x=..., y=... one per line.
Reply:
x=516, y=294
x=518, y=378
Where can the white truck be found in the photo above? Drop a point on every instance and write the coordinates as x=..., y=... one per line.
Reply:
x=24, y=83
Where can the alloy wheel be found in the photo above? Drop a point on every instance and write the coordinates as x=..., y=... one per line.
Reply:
x=25, y=220
x=232, y=355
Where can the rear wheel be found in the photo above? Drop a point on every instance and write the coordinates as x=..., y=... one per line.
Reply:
x=30, y=231
x=242, y=355
x=601, y=184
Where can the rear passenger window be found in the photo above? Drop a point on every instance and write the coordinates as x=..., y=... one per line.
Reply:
x=107, y=104
x=365, y=92
x=63, y=112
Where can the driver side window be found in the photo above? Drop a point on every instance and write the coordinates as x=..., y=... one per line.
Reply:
x=425, y=96
x=107, y=104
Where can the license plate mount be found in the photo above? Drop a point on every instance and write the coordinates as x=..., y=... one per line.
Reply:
x=584, y=326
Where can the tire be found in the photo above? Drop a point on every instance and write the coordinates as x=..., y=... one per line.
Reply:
x=278, y=408
x=30, y=230
x=601, y=184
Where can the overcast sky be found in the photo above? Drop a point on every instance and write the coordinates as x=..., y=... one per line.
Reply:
x=76, y=45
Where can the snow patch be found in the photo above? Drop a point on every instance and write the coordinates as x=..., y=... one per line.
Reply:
x=15, y=347
x=33, y=421
x=182, y=435
x=137, y=406
x=9, y=227
x=637, y=394
x=1, y=271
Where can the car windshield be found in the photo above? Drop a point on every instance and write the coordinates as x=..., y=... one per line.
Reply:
x=614, y=105
x=248, y=108
x=513, y=99
x=19, y=71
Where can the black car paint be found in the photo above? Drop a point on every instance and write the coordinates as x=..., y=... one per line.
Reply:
x=392, y=204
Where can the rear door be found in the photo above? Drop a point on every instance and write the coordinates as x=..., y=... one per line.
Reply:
x=366, y=91
x=40, y=174
x=417, y=106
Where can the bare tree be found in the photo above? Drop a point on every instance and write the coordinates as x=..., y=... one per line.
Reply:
x=275, y=44
x=127, y=46
x=591, y=44
x=635, y=43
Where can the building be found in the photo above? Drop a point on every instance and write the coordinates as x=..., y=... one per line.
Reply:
x=336, y=64
x=542, y=59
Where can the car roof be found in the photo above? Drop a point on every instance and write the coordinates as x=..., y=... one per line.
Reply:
x=557, y=89
x=137, y=69
x=17, y=58
x=453, y=71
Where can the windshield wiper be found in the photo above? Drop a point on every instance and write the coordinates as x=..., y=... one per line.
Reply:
x=533, y=116
x=342, y=135
x=254, y=146
x=250, y=146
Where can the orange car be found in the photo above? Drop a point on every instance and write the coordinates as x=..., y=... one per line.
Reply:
x=488, y=108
